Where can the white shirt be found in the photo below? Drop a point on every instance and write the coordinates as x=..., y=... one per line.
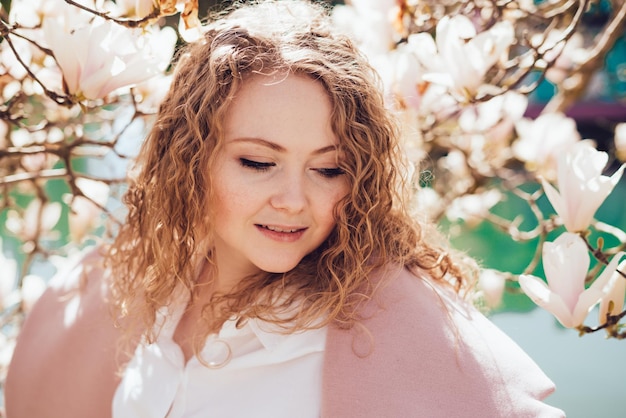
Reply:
x=257, y=372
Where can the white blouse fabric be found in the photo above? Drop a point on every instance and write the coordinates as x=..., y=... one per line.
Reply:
x=255, y=371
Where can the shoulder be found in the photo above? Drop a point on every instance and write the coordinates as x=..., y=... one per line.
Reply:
x=429, y=353
x=68, y=339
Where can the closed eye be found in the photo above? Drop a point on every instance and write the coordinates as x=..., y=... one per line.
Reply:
x=255, y=165
x=330, y=172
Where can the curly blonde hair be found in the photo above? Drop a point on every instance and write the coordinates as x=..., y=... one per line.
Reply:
x=168, y=229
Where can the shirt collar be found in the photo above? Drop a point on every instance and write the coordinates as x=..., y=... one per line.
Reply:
x=270, y=334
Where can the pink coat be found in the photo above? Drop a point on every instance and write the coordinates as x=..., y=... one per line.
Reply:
x=410, y=358
x=414, y=358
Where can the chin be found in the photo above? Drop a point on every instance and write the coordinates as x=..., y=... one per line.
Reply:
x=278, y=267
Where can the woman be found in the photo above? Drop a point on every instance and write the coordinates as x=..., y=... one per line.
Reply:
x=267, y=267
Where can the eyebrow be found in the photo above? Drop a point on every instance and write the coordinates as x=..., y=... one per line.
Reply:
x=276, y=147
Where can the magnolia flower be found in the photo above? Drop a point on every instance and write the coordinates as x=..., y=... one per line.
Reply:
x=491, y=284
x=620, y=141
x=542, y=140
x=150, y=93
x=613, y=303
x=29, y=15
x=473, y=208
x=10, y=63
x=4, y=130
x=368, y=22
x=102, y=57
x=564, y=55
x=84, y=214
x=566, y=263
x=32, y=288
x=36, y=220
x=406, y=71
x=582, y=187
x=483, y=116
x=464, y=57
x=7, y=279
x=134, y=8
x=426, y=204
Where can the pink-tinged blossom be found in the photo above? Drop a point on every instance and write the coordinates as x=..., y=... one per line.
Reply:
x=582, y=187
x=464, y=57
x=484, y=116
x=133, y=8
x=407, y=70
x=369, y=23
x=473, y=208
x=32, y=288
x=542, y=140
x=566, y=263
x=613, y=302
x=564, y=55
x=85, y=212
x=103, y=57
x=36, y=220
x=8, y=280
x=492, y=284
x=620, y=141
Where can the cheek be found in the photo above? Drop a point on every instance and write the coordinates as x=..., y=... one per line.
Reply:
x=230, y=199
x=331, y=202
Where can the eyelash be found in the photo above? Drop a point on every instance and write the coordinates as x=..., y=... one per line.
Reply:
x=255, y=165
x=330, y=172
x=259, y=166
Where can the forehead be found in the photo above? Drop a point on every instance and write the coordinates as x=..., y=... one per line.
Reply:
x=281, y=108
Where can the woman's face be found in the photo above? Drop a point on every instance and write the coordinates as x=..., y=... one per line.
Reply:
x=276, y=179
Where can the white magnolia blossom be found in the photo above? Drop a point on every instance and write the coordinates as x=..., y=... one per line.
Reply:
x=9, y=61
x=134, y=8
x=426, y=204
x=566, y=263
x=620, y=141
x=565, y=55
x=103, y=56
x=491, y=284
x=582, y=187
x=368, y=23
x=8, y=279
x=542, y=140
x=30, y=13
x=407, y=70
x=36, y=220
x=85, y=213
x=464, y=57
x=33, y=287
x=409, y=64
x=473, y=208
x=483, y=116
x=4, y=130
x=613, y=303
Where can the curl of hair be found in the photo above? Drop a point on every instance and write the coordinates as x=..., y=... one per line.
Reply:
x=169, y=224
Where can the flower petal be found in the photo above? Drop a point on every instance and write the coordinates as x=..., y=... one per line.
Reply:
x=566, y=263
x=613, y=302
x=537, y=290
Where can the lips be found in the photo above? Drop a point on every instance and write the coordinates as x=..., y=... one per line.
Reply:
x=281, y=233
x=280, y=229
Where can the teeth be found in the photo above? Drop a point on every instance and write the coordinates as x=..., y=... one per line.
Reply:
x=276, y=229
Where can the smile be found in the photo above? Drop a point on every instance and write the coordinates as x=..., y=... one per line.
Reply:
x=283, y=234
x=279, y=229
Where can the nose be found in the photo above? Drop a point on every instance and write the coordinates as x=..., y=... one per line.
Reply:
x=290, y=194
